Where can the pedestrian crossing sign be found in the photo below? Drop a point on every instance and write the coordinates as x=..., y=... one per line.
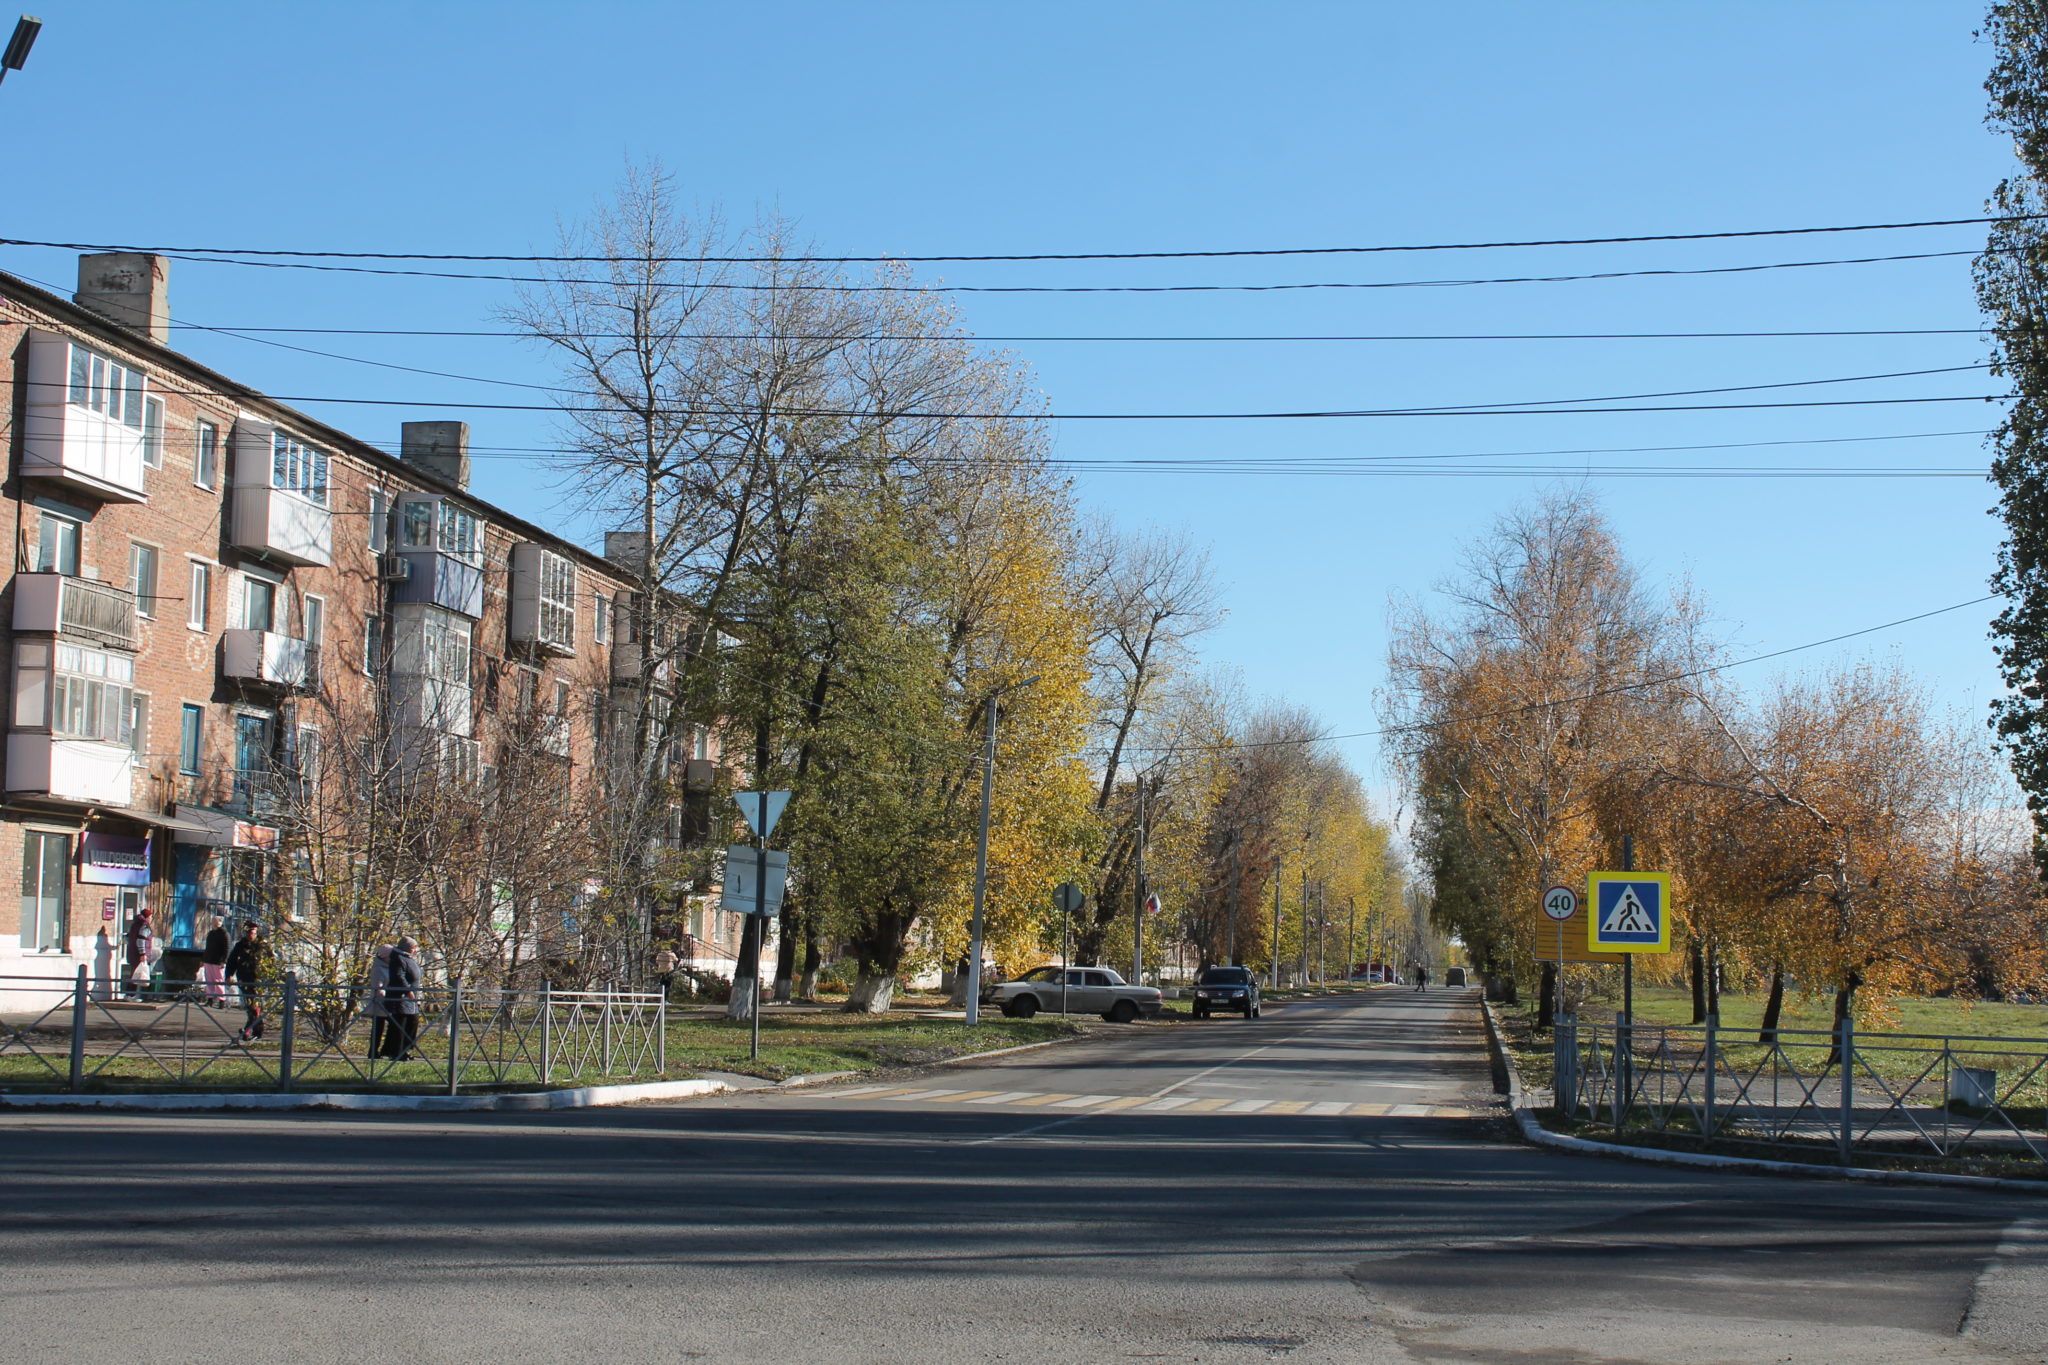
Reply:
x=1631, y=912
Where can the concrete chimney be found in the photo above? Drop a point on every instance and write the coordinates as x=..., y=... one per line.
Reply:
x=130, y=289
x=628, y=549
x=440, y=448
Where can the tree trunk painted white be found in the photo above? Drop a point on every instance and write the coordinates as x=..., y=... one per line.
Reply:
x=871, y=994
x=746, y=991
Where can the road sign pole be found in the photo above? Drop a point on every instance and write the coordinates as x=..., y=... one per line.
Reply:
x=760, y=932
x=1279, y=880
x=988, y=781
x=1628, y=989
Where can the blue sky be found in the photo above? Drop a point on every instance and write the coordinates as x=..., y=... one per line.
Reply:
x=959, y=128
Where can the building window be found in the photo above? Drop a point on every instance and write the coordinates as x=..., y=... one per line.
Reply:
x=306, y=761
x=522, y=687
x=206, y=454
x=138, y=727
x=190, y=723
x=259, y=603
x=153, y=432
x=316, y=621
x=380, y=521
x=92, y=695
x=57, y=544
x=601, y=621
x=373, y=645
x=557, y=601
x=461, y=532
x=416, y=525
x=252, y=756
x=701, y=742
x=298, y=468
x=106, y=387
x=195, y=597
x=142, y=578
x=45, y=892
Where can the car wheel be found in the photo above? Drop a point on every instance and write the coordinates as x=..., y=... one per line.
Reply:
x=1256, y=1011
x=1250, y=1013
x=1201, y=1011
x=1023, y=1007
x=1122, y=1012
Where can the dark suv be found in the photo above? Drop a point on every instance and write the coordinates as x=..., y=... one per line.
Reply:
x=1227, y=988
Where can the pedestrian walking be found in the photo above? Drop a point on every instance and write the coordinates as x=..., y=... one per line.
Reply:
x=374, y=1008
x=402, y=984
x=213, y=963
x=245, y=964
x=665, y=967
x=1421, y=976
x=141, y=943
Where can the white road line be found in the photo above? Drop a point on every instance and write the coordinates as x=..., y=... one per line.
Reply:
x=1245, y=1106
x=1082, y=1102
x=1329, y=1107
x=1164, y=1106
x=1008, y=1096
x=1409, y=1111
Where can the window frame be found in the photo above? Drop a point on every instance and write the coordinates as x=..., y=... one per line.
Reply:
x=38, y=866
x=255, y=586
x=145, y=600
x=48, y=521
x=198, y=594
x=380, y=521
x=108, y=387
x=300, y=468
x=191, y=738
x=152, y=432
x=205, y=454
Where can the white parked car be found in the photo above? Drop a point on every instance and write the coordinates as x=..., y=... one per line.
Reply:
x=1085, y=990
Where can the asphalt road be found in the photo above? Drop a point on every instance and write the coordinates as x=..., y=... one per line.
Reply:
x=1329, y=1183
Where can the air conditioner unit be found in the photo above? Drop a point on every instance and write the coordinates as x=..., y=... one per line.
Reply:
x=397, y=568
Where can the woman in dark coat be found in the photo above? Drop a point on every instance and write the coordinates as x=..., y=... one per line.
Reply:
x=245, y=964
x=402, y=982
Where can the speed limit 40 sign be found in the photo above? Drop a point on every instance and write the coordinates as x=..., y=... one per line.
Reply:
x=1560, y=902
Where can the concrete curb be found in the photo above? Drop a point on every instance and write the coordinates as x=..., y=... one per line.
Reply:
x=1537, y=1135
x=584, y=1097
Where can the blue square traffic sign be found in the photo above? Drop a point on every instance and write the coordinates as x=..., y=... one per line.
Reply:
x=1631, y=912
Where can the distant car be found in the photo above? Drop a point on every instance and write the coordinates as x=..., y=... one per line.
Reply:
x=1085, y=990
x=1227, y=988
x=1454, y=976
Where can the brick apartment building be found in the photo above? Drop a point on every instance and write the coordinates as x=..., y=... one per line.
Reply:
x=203, y=576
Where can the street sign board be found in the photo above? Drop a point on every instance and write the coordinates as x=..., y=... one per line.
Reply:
x=1560, y=902
x=1564, y=940
x=1152, y=905
x=762, y=810
x=1068, y=897
x=742, y=890
x=1629, y=912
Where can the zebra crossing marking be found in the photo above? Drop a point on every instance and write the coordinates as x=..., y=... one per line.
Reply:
x=1148, y=1104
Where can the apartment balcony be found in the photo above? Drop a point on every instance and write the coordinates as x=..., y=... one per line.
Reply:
x=264, y=656
x=86, y=451
x=282, y=525
x=82, y=770
x=430, y=578
x=59, y=604
x=626, y=663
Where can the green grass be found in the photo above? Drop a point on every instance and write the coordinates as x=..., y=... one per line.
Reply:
x=801, y=1044
x=791, y=1045
x=1888, y=1054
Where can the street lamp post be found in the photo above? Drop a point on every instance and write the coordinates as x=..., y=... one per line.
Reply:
x=16, y=55
x=988, y=779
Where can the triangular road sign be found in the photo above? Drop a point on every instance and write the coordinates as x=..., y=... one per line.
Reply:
x=762, y=810
x=1628, y=915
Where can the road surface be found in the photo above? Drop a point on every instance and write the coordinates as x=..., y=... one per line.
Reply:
x=1332, y=1183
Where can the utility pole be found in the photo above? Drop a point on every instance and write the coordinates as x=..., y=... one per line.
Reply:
x=1138, y=896
x=1303, y=978
x=1236, y=887
x=988, y=779
x=1351, y=940
x=1279, y=880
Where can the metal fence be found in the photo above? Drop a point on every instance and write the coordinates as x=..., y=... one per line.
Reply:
x=287, y=1035
x=1858, y=1095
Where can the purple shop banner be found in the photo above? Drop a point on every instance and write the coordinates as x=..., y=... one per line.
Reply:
x=113, y=859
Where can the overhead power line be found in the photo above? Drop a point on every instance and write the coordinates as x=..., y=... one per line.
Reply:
x=1595, y=695
x=1241, y=337
x=1202, y=254
x=729, y=286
